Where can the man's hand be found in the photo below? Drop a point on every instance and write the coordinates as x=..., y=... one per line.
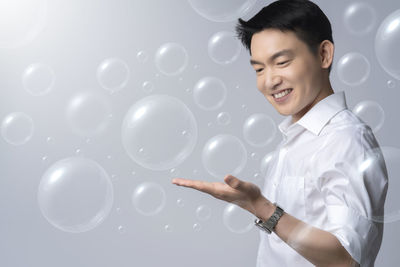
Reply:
x=244, y=194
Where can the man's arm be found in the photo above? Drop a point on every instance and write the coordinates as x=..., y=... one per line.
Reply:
x=319, y=247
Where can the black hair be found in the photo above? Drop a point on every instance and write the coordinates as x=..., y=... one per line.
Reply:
x=302, y=17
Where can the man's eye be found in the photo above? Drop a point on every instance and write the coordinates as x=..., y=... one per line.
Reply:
x=281, y=63
x=258, y=70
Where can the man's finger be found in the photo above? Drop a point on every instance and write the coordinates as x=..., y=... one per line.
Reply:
x=195, y=184
x=234, y=182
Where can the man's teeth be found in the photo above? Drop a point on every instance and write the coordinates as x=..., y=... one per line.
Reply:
x=287, y=91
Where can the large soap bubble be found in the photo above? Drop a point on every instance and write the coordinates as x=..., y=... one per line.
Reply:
x=171, y=59
x=237, y=220
x=149, y=198
x=387, y=43
x=353, y=68
x=75, y=194
x=21, y=21
x=359, y=18
x=210, y=93
x=17, y=128
x=159, y=132
x=371, y=113
x=113, y=74
x=222, y=10
x=224, y=47
x=38, y=79
x=88, y=113
x=259, y=130
x=224, y=154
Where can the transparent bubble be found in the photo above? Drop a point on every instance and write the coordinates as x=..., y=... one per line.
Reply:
x=50, y=140
x=224, y=154
x=387, y=43
x=171, y=59
x=391, y=84
x=121, y=229
x=38, y=79
x=210, y=93
x=180, y=202
x=159, y=132
x=223, y=118
x=21, y=21
x=371, y=113
x=45, y=159
x=75, y=194
x=118, y=210
x=88, y=113
x=149, y=198
x=245, y=108
x=237, y=220
x=168, y=228
x=259, y=130
x=142, y=56
x=203, y=213
x=254, y=156
x=266, y=163
x=78, y=152
x=197, y=227
x=222, y=10
x=224, y=47
x=148, y=86
x=359, y=18
x=353, y=68
x=17, y=128
x=113, y=74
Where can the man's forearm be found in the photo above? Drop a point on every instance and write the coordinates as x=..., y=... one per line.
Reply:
x=319, y=247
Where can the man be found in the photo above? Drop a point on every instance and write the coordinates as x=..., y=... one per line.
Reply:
x=318, y=197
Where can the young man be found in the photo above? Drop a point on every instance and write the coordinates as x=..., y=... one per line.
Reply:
x=318, y=197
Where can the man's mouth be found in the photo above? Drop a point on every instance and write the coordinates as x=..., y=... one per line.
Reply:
x=282, y=93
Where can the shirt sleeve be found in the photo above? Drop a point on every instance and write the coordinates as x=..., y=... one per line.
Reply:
x=352, y=180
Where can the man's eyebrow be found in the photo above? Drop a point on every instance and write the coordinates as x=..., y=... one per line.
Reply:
x=273, y=57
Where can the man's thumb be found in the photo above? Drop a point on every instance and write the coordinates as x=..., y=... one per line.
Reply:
x=233, y=182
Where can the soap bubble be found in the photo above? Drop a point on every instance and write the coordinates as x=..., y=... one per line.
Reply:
x=148, y=86
x=209, y=93
x=203, y=213
x=75, y=194
x=149, y=198
x=353, y=68
x=387, y=43
x=180, y=203
x=159, y=132
x=391, y=84
x=224, y=47
x=38, y=79
x=223, y=118
x=224, y=154
x=113, y=74
x=237, y=220
x=171, y=59
x=196, y=227
x=21, y=21
x=359, y=18
x=222, y=10
x=259, y=130
x=88, y=113
x=168, y=228
x=17, y=128
x=142, y=56
x=371, y=113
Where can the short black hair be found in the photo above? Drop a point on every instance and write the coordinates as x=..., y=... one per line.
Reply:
x=302, y=17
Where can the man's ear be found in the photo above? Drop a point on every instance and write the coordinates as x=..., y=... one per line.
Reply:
x=326, y=51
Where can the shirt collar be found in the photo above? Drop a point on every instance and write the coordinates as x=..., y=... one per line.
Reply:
x=318, y=116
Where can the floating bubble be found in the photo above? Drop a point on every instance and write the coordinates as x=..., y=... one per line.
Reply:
x=371, y=113
x=21, y=21
x=254, y=156
x=75, y=194
x=113, y=74
x=50, y=140
x=203, y=213
x=38, y=79
x=222, y=10
x=168, y=228
x=237, y=220
x=197, y=227
x=359, y=18
x=209, y=93
x=223, y=118
x=159, y=132
x=149, y=198
x=171, y=59
x=142, y=56
x=148, y=86
x=387, y=43
x=121, y=229
x=180, y=203
x=88, y=113
x=266, y=163
x=259, y=130
x=391, y=84
x=17, y=128
x=224, y=47
x=218, y=150
x=353, y=68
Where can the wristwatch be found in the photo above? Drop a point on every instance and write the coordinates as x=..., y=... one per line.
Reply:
x=269, y=225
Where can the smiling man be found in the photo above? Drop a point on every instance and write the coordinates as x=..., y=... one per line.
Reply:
x=321, y=204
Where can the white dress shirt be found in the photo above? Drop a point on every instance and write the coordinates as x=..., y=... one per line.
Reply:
x=319, y=175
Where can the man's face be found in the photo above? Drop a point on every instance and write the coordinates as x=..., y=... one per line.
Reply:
x=282, y=61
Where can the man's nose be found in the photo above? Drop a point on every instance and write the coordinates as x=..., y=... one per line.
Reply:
x=272, y=81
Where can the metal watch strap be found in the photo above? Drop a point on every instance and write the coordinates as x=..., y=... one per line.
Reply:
x=270, y=224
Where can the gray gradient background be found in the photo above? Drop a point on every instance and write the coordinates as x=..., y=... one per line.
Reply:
x=77, y=36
